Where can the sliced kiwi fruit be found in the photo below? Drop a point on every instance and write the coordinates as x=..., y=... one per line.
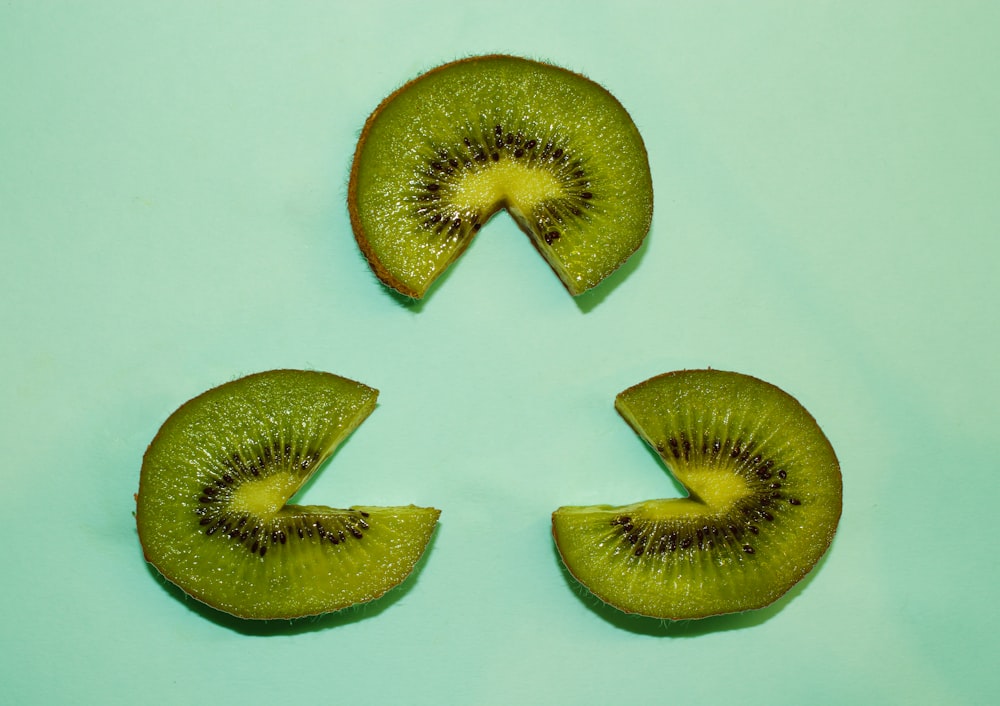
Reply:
x=212, y=510
x=440, y=155
x=764, y=501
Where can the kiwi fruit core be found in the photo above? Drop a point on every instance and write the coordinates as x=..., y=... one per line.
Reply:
x=764, y=500
x=212, y=509
x=440, y=155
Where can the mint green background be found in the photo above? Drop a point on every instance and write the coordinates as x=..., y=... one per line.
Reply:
x=172, y=215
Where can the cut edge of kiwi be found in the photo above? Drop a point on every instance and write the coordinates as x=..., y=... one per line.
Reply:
x=718, y=550
x=540, y=239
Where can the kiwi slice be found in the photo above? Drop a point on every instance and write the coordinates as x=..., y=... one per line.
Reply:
x=440, y=155
x=764, y=501
x=212, y=513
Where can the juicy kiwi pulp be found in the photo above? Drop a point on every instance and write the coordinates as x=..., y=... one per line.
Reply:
x=211, y=509
x=764, y=501
x=439, y=156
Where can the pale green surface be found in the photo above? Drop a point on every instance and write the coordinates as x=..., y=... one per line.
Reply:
x=172, y=187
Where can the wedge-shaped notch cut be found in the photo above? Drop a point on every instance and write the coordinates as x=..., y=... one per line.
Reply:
x=764, y=501
x=440, y=155
x=213, y=514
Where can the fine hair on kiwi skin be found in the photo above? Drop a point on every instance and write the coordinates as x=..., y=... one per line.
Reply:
x=764, y=502
x=478, y=144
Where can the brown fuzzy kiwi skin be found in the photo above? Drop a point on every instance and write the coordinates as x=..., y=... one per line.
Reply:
x=767, y=597
x=359, y=233
x=352, y=188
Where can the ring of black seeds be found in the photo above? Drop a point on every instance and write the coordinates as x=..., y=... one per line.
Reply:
x=447, y=165
x=216, y=520
x=697, y=534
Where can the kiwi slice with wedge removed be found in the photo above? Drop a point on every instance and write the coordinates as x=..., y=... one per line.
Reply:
x=212, y=514
x=764, y=501
x=440, y=155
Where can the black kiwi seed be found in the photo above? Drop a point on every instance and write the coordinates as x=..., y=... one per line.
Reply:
x=215, y=520
x=432, y=198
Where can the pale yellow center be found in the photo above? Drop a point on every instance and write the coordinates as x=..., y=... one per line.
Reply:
x=264, y=497
x=506, y=183
x=716, y=489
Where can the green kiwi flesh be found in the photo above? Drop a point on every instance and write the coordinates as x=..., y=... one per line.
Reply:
x=764, y=501
x=212, y=510
x=440, y=155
